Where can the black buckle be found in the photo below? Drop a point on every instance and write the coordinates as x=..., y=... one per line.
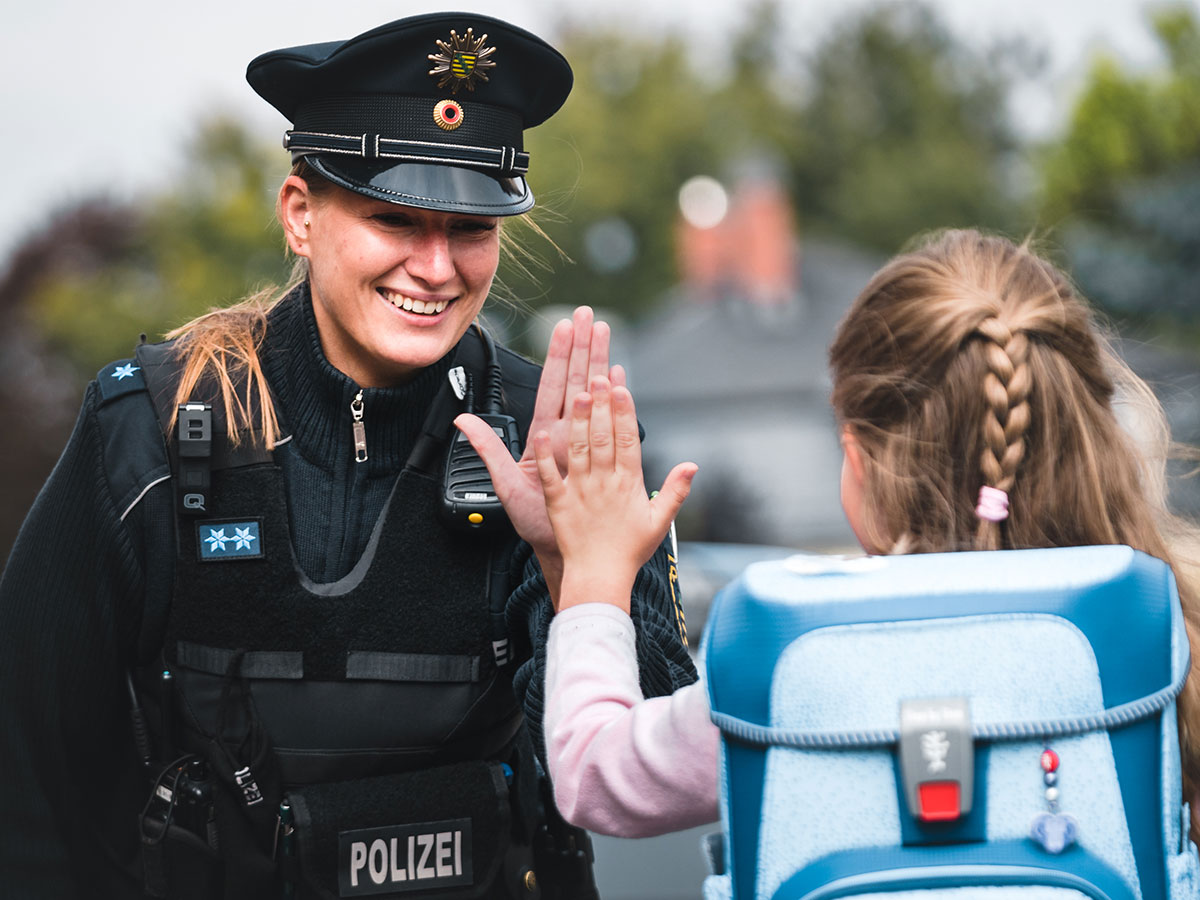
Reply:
x=194, y=436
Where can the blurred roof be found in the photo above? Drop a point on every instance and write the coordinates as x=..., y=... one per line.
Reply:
x=702, y=349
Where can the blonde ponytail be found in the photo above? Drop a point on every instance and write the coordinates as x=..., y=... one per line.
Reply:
x=219, y=351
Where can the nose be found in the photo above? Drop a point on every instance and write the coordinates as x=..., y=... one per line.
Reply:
x=430, y=259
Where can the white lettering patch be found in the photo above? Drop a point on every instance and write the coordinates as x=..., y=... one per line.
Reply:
x=417, y=857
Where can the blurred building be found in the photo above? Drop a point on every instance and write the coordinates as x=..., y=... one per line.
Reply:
x=731, y=373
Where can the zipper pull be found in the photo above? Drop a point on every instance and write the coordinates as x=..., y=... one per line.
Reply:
x=360, y=430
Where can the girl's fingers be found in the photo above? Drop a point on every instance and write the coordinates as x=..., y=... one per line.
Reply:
x=617, y=376
x=601, y=430
x=578, y=452
x=625, y=432
x=664, y=507
x=543, y=451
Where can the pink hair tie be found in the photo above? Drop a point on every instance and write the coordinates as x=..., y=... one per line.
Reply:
x=993, y=504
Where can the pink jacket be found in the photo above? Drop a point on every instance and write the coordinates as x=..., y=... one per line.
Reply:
x=620, y=764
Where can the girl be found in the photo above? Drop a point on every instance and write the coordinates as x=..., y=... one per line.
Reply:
x=978, y=408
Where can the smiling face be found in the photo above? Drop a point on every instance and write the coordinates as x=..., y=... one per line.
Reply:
x=394, y=287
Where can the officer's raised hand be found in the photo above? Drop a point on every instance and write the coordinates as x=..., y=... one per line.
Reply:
x=578, y=352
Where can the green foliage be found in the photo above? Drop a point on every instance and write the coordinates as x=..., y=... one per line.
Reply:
x=1123, y=183
x=905, y=130
x=206, y=242
x=631, y=133
x=1128, y=125
x=892, y=127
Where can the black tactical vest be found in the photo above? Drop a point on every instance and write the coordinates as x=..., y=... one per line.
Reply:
x=358, y=738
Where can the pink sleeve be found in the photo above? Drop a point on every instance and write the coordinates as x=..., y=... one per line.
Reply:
x=620, y=764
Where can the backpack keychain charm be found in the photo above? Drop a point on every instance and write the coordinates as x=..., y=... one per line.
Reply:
x=1055, y=831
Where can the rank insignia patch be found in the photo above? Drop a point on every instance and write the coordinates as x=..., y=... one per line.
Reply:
x=119, y=378
x=462, y=61
x=229, y=540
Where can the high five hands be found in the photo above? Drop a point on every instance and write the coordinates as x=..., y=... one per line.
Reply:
x=577, y=354
x=605, y=524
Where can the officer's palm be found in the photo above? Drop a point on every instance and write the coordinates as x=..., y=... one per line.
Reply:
x=578, y=352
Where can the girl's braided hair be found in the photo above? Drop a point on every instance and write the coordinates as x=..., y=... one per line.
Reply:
x=971, y=361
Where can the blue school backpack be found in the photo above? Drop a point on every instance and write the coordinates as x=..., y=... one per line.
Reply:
x=954, y=726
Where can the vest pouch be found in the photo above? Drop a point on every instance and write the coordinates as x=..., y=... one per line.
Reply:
x=179, y=839
x=179, y=864
x=443, y=832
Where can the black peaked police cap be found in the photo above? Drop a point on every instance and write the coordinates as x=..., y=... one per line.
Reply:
x=426, y=111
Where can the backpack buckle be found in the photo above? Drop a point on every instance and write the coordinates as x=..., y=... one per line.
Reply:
x=937, y=758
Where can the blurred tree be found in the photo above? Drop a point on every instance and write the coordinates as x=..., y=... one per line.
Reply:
x=891, y=127
x=907, y=129
x=636, y=126
x=39, y=391
x=207, y=241
x=1123, y=183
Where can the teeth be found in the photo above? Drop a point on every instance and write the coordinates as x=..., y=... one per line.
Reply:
x=427, y=308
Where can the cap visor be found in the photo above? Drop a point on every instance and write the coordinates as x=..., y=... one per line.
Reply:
x=428, y=186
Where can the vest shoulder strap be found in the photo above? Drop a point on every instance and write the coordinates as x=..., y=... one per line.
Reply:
x=162, y=368
x=135, y=457
x=136, y=460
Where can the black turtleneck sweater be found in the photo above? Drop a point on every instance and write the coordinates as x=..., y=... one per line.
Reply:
x=75, y=588
x=335, y=499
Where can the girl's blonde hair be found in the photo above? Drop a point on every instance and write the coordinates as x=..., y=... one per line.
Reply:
x=972, y=361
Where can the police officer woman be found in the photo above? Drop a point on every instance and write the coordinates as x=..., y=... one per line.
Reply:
x=295, y=649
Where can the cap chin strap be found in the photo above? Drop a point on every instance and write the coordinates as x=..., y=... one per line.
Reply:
x=502, y=162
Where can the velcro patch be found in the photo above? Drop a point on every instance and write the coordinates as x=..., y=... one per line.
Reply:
x=418, y=857
x=229, y=540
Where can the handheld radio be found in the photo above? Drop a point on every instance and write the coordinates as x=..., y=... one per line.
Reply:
x=469, y=501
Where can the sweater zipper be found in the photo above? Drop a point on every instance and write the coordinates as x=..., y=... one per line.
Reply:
x=360, y=430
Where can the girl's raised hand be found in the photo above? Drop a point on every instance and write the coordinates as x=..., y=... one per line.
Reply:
x=605, y=525
x=578, y=351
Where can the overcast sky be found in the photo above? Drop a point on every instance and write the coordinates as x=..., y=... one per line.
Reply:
x=101, y=95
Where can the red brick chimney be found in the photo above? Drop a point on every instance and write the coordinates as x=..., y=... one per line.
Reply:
x=749, y=255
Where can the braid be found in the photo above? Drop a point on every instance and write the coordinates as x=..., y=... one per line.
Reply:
x=964, y=310
x=1006, y=387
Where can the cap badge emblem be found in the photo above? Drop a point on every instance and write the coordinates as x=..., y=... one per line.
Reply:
x=448, y=115
x=462, y=61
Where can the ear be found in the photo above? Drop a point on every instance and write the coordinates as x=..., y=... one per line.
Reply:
x=295, y=212
x=853, y=451
x=852, y=489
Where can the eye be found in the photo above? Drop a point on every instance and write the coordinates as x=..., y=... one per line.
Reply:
x=475, y=226
x=392, y=220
